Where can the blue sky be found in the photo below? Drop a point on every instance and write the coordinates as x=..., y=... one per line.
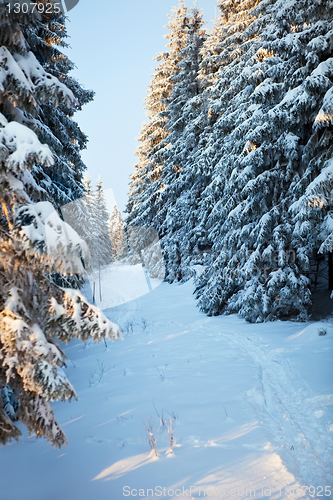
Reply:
x=113, y=45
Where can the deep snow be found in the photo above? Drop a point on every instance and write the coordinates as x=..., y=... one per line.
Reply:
x=251, y=405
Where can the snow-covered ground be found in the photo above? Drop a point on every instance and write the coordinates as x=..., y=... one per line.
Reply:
x=117, y=284
x=251, y=407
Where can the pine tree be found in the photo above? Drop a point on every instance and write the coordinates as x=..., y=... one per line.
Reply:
x=103, y=245
x=89, y=227
x=244, y=167
x=237, y=60
x=55, y=126
x=33, y=310
x=264, y=131
x=313, y=209
x=183, y=108
x=186, y=217
x=146, y=182
x=96, y=226
x=77, y=216
x=117, y=234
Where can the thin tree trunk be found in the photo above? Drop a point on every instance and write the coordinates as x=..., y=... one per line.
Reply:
x=330, y=271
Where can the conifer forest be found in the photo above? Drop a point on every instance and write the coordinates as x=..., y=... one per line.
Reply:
x=196, y=325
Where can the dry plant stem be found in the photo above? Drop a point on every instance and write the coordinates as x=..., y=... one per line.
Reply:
x=170, y=432
x=151, y=437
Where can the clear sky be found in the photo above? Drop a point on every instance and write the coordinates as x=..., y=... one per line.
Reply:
x=113, y=44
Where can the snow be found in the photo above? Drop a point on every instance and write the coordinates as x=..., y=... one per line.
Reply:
x=290, y=96
x=46, y=229
x=27, y=69
x=326, y=173
x=118, y=284
x=324, y=115
x=252, y=408
x=325, y=68
x=10, y=67
x=23, y=143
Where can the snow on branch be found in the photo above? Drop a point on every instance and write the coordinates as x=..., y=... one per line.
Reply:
x=78, y=318
x=25, y=81
x=37, y=415
x=41, y=226
x=44, y=85
x=19, y=147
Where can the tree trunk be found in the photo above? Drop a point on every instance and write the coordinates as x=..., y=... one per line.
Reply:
x=330, y=271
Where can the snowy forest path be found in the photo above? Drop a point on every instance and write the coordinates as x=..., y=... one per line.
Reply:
x=251, y=403
x=284, y=403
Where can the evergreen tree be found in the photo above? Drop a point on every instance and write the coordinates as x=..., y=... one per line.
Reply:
x=313, y=209
x=264, y=131
x=185, y=217
x=33, y=310
x=146, y=182
x=244, y=168
x=76, y=214
x=90, y=227
x=103, y=244
x=96, y=226
x=117, y=234
x=177, y=156
x=54, y=125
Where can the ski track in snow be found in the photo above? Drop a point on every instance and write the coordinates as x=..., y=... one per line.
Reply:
x=284, y=404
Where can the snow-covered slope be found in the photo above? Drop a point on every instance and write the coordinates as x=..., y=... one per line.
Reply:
x=117, y=284
x=251, y=407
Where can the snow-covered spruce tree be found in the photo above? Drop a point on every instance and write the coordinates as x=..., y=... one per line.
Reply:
x=54, y=125
x=77, y=215
x=266, y=133
x=183, y=107
x=233, y=117
x=117, y=234
x=192, y=242
x=102, y=218
x=225, y=54
x=89, y=226
x=313, y=209
x=226, y=42
x=33, y=311
x=46, y=37
x=96, y=226
x=146, y=182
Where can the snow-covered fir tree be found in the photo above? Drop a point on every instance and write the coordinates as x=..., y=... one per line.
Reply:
x=177, y=157
x=102, y=216
x=185, y=218
x=117, y=234
x=229, y=87
x=266, y=115
x=54, y=125
x=89, y=228
x=96, y=226
x=146, y=182
x=313, y=209
x=34, y=245
x=244, y=170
